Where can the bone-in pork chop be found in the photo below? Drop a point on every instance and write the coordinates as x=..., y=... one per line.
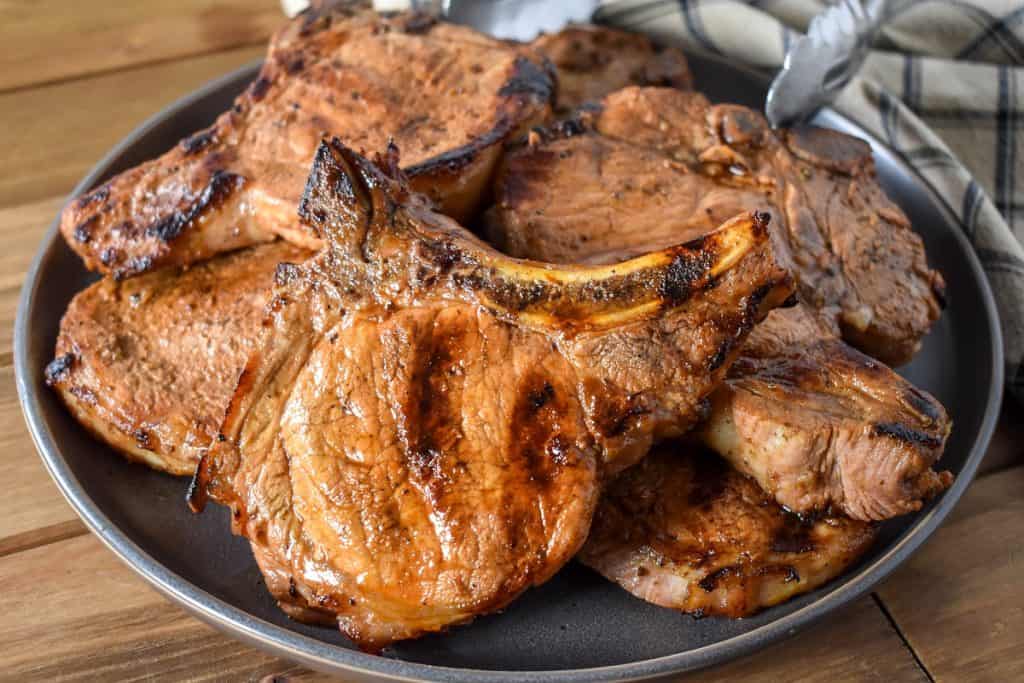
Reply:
x=149, y=364
x=684, y=530
x=651, y=166
x=423, y=431
x=815, y=422
x=594, y=61
x=820, y=425
x=447, y=95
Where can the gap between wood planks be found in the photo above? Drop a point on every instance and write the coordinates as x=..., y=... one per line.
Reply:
x=57, y=41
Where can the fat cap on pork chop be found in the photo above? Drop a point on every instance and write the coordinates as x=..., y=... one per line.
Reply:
x=650, y=166
x=423, y=430
x=449, y=96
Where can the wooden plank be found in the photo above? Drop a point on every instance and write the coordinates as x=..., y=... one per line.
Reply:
x=960, y=600
x=32, y=510
x=123, y=629
x=857, y=644
x=73, y=611
x=56, y=40
x=21, y=229
x=52, y=135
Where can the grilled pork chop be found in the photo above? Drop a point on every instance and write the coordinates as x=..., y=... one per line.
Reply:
x=652, y=166
x=684, y=530
x=148, y=364
x=423, y=431
x=446, y=94
x=819, y=425
x=815, y=422
x=593, y=61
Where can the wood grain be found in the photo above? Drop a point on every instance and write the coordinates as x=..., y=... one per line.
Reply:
x=52, y=135
x=21, y=232
x=960, y=599
x=125, y=630
x=32, y=511
x=53, y=40
x=73, y=611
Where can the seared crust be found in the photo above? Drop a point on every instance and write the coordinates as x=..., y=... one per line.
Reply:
x=148, y=365
x=656, y=165
x=684, y=530
x=422, y=432
x=820, y=425
x=448, y=97
x=594, y=61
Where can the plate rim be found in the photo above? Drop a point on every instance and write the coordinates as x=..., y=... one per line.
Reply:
x=323, y=656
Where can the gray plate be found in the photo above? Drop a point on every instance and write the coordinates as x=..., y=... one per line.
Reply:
x=577, y=627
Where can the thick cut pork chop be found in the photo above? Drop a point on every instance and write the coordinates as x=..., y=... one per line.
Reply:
x=820, y=425
x=149, y=364
x=815, y=422
x=422, y=433
x=684, y=530
x=447, y=95
x=593, y=61
x=652, y=166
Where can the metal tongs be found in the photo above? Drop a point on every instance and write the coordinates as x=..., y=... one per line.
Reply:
x=820, y=63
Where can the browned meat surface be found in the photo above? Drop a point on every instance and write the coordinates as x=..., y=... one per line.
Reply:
x=148, y=364
x=593, y=61
x=447, y=95
x=422, y=432
x=684, y=530
x=656, y=165
x=820, y=425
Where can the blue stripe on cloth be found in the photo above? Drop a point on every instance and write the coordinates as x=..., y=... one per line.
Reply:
x=691, y=15
x=887, y=109
x=626, y=15
x=971, y=206
x=999, y=32
x=1000, y=261
x=931, y=157
x=1006, y=147
x=911, y=82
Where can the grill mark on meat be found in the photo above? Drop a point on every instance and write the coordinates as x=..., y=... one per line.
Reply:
x=221, y=185
x=683, y=274
x=96, y=196
x=709, y=480
x=529, y=79
x=902, y=432
x=535, y=428
x=57, y=369
x=419, y=23
x=286, y=273
x=793, y=535
x=199, y=141
x=83, y=231
x=710, y=582
x=432, y=417
x=923, y=405
x=259, y=88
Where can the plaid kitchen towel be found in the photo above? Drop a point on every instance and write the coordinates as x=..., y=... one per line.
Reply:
x=942, y=86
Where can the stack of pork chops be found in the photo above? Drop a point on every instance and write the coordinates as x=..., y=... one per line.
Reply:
x=435, y=314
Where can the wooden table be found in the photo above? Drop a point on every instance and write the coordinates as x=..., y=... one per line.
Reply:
x=75, y=77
